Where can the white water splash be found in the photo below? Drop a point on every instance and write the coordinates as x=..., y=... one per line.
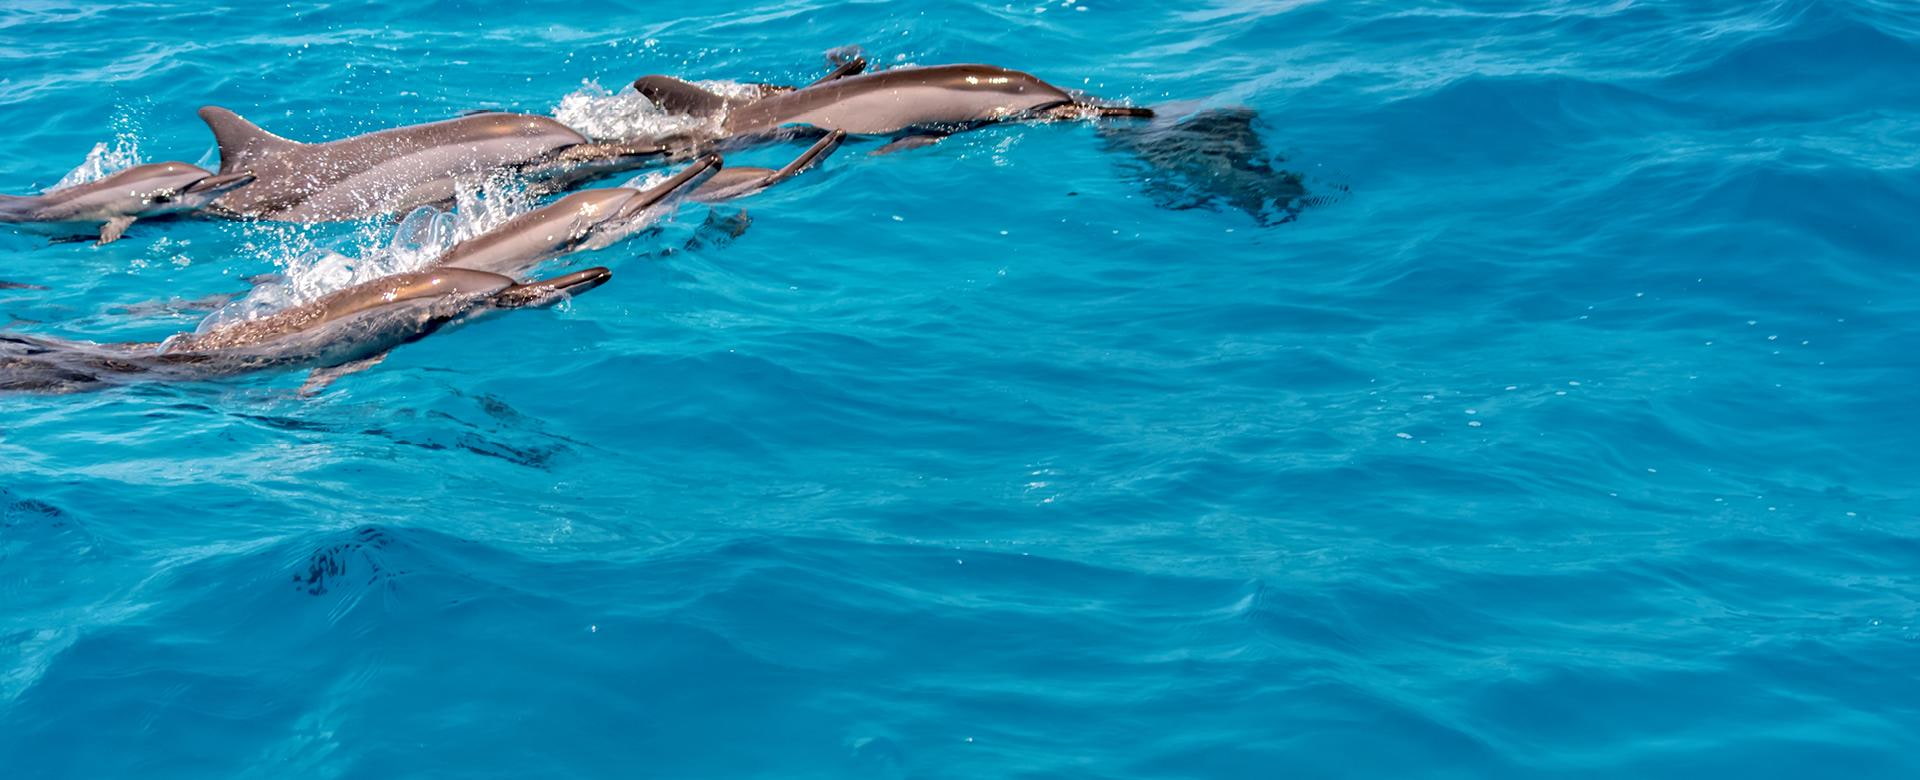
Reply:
x=649, y=180
x=103, y=161
x=627, y=115
x=310, y=270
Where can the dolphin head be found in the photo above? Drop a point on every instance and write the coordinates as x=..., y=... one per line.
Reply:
x=206, y=190
x=546, y=292
x=172, y=187
x=644, y=207
x=614, y=214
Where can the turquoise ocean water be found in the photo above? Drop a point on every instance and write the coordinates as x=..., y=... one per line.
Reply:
x=1573, y=435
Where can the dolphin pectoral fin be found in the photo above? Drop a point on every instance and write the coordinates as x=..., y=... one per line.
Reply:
x=114, y=229
x=904, y=143
x=241, y=142
x=678, y=96
x=321, y=378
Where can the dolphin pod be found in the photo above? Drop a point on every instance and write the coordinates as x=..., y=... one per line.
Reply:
x=263, y=176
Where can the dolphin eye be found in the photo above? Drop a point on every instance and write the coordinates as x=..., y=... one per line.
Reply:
x=163, y=196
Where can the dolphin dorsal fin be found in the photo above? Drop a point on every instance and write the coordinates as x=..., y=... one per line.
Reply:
x=679, y=96
x=241, y=142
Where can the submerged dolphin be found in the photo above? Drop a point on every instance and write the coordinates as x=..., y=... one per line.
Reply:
x=404, y=167
x=593, y=219
x=915, y=106
x=110, y=204
x=338, y=334
x=1192, y=157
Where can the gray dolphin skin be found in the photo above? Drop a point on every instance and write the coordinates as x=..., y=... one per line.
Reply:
x=405, y=167
x=916, y=105
x=340, y=333
x=592, y=219
x=112, y=203
x=740, y=182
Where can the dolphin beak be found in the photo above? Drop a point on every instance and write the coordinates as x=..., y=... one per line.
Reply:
x=1073, y=110
x=675, y=188
x=220, y=182
x=551, y=290
x=614, y=155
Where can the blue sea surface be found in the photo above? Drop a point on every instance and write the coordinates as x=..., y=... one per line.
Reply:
x=1572, y=433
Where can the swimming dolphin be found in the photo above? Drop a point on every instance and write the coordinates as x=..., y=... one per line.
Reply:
x=592, y=219
x=338, y=334
x=404, y=167
x=739, y=182
x=110, y=204
x=916, y=106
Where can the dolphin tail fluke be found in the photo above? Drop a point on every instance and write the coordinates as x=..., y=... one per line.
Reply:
x=809, y=158
x=678, y=96
x=241, y=142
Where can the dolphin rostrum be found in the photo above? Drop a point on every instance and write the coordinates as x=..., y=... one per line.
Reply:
x=915, y=106
x=110, y=204
x=404, y=167
x=586, y=220
x=335, y=335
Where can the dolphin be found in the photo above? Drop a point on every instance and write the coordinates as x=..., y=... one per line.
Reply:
x=1194, y=157
x=592, y=219
x=916, y=106
x=110, y=204
x=335, y=335
x=404, y=167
